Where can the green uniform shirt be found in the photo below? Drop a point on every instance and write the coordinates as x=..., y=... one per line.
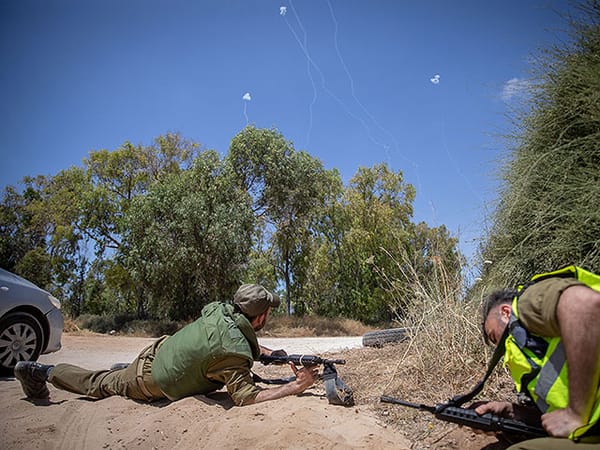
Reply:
x=537, y=305
x=217, y=349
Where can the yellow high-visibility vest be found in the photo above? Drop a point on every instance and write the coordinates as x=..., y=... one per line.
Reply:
x=538, y=364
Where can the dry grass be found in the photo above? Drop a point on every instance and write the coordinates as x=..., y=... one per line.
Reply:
x=306, y=326
x=398, y=371
x=445, y=356
x=277, y=326
x=71, y=327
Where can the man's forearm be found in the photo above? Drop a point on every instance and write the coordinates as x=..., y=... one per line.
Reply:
x=265, y=350
x=578, y=315
x=275, y=393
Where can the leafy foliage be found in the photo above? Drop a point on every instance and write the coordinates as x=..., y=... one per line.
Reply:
x=546, y=217
x=160, y=231
x=189, y=239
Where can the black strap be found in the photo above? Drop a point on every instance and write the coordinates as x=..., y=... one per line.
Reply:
x=258, y=379
x=337, y=392
x=461, y=399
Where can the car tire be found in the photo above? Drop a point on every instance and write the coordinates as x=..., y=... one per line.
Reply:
x=21, y=339
x=381, y=337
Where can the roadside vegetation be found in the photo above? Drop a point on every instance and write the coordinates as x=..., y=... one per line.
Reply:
x=159, y=231
x=278, y=326
x=546, y=217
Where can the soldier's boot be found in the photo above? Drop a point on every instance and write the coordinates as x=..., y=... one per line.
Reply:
x=33, y=377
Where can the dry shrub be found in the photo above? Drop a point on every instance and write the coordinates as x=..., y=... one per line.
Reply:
x=305, y=326
x=445, y=354
x=70, y=326
x=397, y=370
x=444, y=357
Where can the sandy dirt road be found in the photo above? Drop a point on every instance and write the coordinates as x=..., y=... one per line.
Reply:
x=69, y=421
x=100, y=351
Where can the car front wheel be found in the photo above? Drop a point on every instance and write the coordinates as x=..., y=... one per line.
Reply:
x=21, y=339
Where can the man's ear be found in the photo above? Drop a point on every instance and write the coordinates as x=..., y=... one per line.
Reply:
x=505, y=311
x=259, y=320
x=255, y=321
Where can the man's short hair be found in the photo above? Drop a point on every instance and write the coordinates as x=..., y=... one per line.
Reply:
x=494, y=299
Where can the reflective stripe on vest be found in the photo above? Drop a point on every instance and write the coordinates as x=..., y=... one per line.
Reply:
x=548, y=376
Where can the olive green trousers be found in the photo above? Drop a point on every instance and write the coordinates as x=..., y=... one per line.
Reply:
x=134, y=382
x=549, y=443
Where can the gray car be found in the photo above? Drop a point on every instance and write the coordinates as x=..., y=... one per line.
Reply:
x=31, y=321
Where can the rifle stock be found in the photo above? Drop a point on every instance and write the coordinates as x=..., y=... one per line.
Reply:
x=469, y=418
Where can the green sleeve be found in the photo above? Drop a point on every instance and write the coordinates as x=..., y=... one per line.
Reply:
x=234, y=372
x=537, y=305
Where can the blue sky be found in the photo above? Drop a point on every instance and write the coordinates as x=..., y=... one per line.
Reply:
x=423, y=86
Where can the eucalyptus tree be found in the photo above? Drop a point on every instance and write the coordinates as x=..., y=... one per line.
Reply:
x=20, y=232
x=188, y=239
x=44, y=217
x=46, y=230
x=287, y=189
x=378, y=205
x=118, y=176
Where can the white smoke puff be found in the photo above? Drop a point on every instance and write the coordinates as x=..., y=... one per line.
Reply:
x=247, y=96
x=435, y=79
x=282, y=10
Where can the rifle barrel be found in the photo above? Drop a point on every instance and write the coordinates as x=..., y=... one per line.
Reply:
x=468, y=417
x=397, y=401
x=300, y=359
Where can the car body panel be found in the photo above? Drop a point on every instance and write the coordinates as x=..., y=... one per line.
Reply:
x=56, y=322
x=18, y=294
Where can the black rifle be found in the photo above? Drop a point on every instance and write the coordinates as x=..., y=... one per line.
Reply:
x=338, y=393
x=469, y=418
x=299, y=360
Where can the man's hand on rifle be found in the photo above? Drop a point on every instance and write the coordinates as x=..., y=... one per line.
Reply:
x=305, y=376
x=502, y=409
x=523, y=413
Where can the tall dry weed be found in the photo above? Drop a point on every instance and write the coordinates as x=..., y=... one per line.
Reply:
x=445, y=354
x=309, y=325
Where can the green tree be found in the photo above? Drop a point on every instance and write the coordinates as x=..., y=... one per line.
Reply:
x=361, y=226
x=379, y=208
x=19, y=234
x=118, y=176
x=287, y=188
x=41, y=226
x=188, y=240
x=47, y=230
